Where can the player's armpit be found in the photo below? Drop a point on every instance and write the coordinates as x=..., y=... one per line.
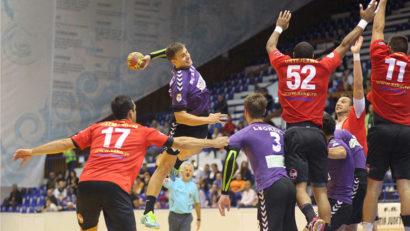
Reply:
x=337, y=153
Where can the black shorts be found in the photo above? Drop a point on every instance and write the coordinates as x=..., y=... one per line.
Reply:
x=116, y=204
x=276, y=207
x=359, y=192
x=389, y=146
x=341, y=213
x=178, y=130
x=306, y=155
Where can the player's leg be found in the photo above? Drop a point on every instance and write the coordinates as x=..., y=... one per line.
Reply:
x=117, y=208
x=298, y=170
x=400, y=170
x=174, y=221
x=359, y=192
x=89, y=205
x=341, y=213
x=322, y=201
x=289, y=219
x=380, y=140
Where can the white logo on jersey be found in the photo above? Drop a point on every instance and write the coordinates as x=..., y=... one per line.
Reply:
x=201, y=83
x=353, y=142
x=331, y=55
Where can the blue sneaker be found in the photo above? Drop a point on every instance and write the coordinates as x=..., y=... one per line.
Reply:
x=149, y=220
x=174, y=173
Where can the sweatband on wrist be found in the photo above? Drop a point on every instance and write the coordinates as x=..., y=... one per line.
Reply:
x=356, y=57
x=279, y=29
x=362, y=24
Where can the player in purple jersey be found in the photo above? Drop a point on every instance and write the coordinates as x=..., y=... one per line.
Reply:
x=341, y=174
x=190, y=102
x=263, y=145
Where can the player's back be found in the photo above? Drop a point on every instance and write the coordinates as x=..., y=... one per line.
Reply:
x=390, y=80
x=263, y=145
x=117, y=150
x=303, y=85
x=341, y=172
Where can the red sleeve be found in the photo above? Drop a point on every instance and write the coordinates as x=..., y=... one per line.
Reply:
x=154, y=137
x=83, y=138
x=331, y=61
x=276, y=58
x=378, y=50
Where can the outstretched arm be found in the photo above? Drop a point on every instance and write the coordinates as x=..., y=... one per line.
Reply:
x=184, y=142
x=53, y=147
x=281, y=24
x=379, y=22
x=357, y=70
x=152, y=55
x=183, y=117
x=366, y=17
x=228, y=171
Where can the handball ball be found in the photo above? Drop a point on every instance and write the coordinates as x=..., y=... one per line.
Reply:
x=134, y=60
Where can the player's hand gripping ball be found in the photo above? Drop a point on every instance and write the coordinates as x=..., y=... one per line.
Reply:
x=134, y=60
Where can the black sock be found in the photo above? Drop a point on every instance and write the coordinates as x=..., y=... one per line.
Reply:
x=308, y=211
x=149, y=206
x=327, y=227
x=178, y=163
x=406, y=220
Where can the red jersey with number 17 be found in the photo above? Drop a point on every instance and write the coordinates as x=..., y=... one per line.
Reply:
x=117, y=150
x=303, y=85
x=390, y=94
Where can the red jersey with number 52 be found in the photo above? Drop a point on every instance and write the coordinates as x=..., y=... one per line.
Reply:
x=303, y=85
x=117, y=150
x=390, y=94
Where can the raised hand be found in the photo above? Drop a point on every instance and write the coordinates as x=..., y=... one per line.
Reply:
x=284, y=19
x=24, y=154
x=356, y=47
x=145, y=62
x=370, y=12
x=215, y=118
x=224, y=202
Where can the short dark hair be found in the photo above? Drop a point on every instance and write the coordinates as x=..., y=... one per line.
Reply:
x=329, y=124
x=255, y=105
x=172, y=49
x=303, y=50
x=348, y=96
x=121, y=105
x=399, y=43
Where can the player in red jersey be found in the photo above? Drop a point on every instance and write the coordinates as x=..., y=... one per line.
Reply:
x=389, y=138
x=117, y=151
x=303, y=83
x=351, y=116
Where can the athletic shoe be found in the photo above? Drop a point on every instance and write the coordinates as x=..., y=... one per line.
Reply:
x=149, y=220
x=174, y=173
x=317, y=224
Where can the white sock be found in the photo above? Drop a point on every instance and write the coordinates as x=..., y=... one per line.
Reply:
x=368, y=226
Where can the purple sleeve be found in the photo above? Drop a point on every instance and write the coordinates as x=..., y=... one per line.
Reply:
x=236, y=140
x=179, y=91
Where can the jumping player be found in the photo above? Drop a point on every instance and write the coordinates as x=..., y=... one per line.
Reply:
x=263, y=145
x=351, y=116
x=389, y=138
x=303, y=83
x=190, y=102
x=117, y=150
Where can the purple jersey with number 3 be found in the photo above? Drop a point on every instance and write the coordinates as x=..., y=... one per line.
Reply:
x=263, y=145
x=355, y=147
x=341, y=173
x=188, y=91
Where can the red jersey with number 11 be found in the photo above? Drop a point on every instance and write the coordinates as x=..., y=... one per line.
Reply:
x=303, y=85
x=390, y=94
x=117, y=150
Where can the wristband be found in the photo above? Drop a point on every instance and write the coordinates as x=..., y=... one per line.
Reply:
x=279, y=29
x=362, y=24
x=356, y=57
